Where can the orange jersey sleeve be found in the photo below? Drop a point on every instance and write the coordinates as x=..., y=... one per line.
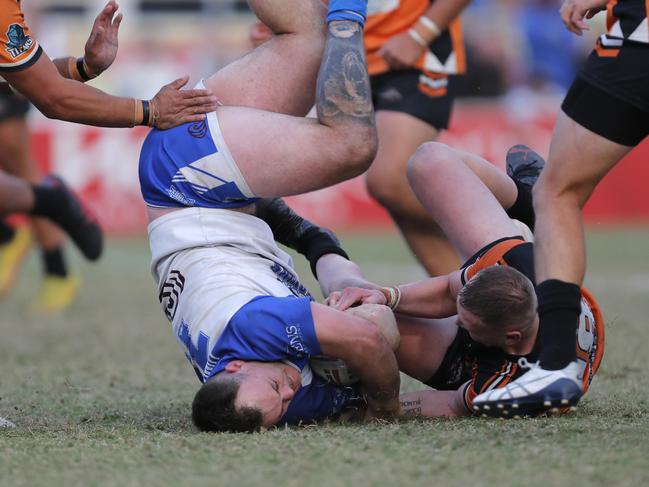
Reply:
x=18, y=49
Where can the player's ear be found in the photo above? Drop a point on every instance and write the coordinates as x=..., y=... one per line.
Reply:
x=513, y=337
x=234, y=366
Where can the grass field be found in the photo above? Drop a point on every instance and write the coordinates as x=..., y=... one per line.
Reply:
x=101, y=397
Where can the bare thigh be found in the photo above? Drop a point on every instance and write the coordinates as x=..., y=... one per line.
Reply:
x=280, y=75
x=281, y=155
x=455, y=196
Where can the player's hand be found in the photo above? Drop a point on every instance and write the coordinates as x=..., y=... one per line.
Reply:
x=102, y=44
x=401, y=51
x=173, y=106
x=573, y=12
x=351, y=296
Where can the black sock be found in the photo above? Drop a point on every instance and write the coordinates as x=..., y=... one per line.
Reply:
x=54, y=262
x=298, y=233
x=7, y=232
x=523, y=209
x=559, y=309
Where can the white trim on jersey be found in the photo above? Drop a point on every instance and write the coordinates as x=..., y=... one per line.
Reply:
x=641, y=33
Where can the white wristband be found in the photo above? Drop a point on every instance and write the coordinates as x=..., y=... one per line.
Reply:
x=415, y=36
x=430, y=25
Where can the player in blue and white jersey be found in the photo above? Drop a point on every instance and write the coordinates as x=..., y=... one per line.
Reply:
x=234, y=300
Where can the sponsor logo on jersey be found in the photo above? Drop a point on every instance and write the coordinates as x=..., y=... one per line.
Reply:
x=17, y=41
x=291, y=282
x=295, y=340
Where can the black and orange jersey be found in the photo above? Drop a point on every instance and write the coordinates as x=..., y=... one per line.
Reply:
x=509, y=251
x=18, y=49
x=387, y=18
x=490, y=367
x=626, y=21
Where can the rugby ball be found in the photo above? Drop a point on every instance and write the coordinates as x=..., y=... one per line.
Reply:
x=332, y=370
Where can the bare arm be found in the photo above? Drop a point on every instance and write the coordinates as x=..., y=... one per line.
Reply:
x=69, y=100
x=431, y=404
x=365, y=351
x=335, y=273
x=430, y=298
x=50, y=87
x=443, y=12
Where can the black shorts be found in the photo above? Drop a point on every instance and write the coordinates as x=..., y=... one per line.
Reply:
x=454, y=369
x=405, y=91
x=611, y=94
x=12, y=107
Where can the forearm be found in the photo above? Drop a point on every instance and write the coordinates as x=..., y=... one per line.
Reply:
x=67, y=67
x=431, y=298
x=381, y=382
x=335, y=273
x=431, y=404
x=89, y=106
x=442, y=12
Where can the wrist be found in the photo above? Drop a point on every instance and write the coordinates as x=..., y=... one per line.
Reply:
x=145, y=113
x=78, y=70
x=418, y=38
x=428, y=28
x=392, y=295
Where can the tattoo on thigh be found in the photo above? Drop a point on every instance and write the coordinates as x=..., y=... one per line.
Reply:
x=343, y=90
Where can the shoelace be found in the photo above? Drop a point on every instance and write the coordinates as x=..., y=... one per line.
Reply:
x=523, y=363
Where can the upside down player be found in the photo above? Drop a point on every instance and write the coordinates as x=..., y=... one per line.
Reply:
x=495, y=303
x=235, y=303
x=604, y=115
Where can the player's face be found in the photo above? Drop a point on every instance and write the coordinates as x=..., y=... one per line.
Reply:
x=477, y=329
x=269, y=387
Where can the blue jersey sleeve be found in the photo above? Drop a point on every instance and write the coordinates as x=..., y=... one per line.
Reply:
x=269, y=329
x=321, y=400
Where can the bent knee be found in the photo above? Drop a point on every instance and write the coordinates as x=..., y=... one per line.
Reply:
x=429, y=159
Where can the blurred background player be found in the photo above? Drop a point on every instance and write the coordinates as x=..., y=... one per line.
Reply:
x=59, y=287
x=414, y=48
x=23, y=64
x=604, y=115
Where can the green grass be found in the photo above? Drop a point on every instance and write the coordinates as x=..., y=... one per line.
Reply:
x=101, y=396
